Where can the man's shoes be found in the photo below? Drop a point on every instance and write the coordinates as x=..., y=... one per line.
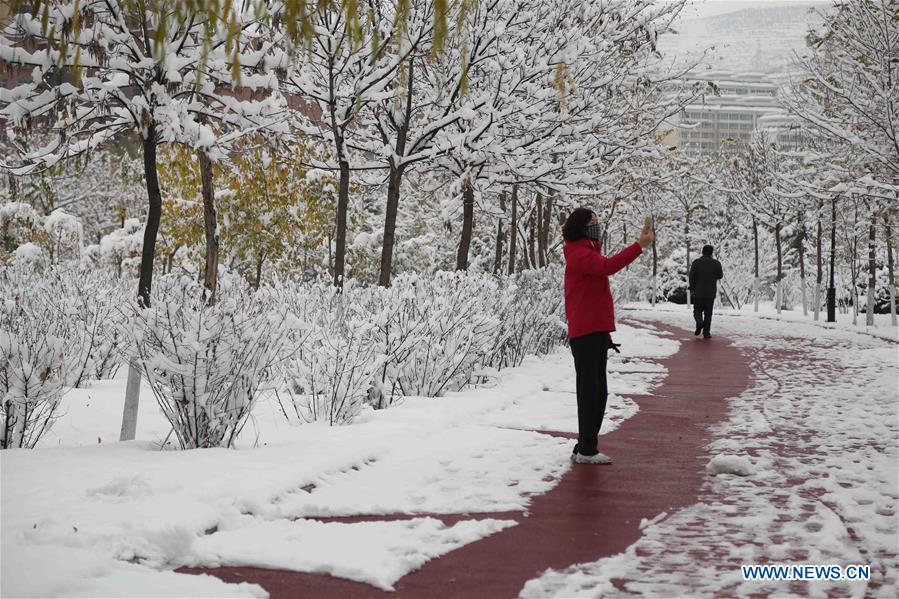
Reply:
x=706, y=336
x=698, y=330
x=598, y=459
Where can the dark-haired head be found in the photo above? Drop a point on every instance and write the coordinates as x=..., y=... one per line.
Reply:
x=706, y=250
x=575, y=226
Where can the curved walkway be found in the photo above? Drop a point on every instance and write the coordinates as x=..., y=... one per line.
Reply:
x=593, y=512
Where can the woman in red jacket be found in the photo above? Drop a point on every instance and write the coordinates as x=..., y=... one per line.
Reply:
x=591, y=318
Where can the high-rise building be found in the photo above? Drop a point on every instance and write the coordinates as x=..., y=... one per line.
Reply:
x=725, y=122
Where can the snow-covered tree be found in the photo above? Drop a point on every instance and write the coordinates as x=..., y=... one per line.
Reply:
x=347, y=64
x=759, y=190
x=101, y=72
x=848, y=85
x=274, y=214
x=101, y=188
x=847, y=91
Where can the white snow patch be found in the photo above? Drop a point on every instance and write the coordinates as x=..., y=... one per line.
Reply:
x=730, y=464
x=377, y=553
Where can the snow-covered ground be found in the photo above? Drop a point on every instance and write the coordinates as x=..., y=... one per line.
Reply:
x=882, y=327
x=804, y=471
x=83, y=515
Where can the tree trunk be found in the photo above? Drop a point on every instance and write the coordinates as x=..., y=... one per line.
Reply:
x=13, y=188
x=467, y=225
x=393, y=202
x=513, y=230
x=132, y=397
x=872, y=270
x=755, y=245
x=891, y=285
x=498, y=257
x=626, y=287
x=145, y=281
x=802, y=261
x=778, y=294
x=541, y=248
x=831, y=289
x=393, y=187
x=853, y=266
x=343, y=201
x=687, y=240
x=210, y=275
x=259, y=264
x=547, y=222
x=154, y=212
x=167, y=267
x=532, y=259
x=338, y=129
x=331, y=254
x=819, y=278
x=655, y=265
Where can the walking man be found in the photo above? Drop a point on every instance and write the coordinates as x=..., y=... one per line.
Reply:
x=704, y=274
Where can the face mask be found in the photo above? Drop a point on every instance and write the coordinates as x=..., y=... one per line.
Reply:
x=594, y=232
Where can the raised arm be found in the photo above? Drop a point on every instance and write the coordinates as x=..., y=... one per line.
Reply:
x=585, y=260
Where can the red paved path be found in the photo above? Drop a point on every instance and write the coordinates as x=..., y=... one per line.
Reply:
x=593, y=512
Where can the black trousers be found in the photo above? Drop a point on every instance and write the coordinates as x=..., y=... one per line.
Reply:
x=702, y=313
x=590, y=355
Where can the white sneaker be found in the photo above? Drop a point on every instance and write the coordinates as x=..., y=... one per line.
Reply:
x=599, y=458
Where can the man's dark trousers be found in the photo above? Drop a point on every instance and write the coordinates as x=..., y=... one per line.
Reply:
x=702, y=314
x=590, y=356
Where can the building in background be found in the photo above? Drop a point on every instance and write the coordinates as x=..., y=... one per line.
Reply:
x=725, y=122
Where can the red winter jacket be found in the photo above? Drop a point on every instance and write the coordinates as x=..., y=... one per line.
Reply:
x=588, y=298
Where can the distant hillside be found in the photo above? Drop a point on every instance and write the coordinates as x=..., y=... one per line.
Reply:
x=747, y=36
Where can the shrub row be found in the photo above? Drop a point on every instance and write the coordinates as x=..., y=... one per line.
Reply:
x=323, y=352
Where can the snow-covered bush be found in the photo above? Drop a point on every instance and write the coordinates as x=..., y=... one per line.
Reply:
x=328, y=374
x=206, y=363
x=120, y=248
x=672, y=277
x=20, y=224
x=33, y=359
x=452, y=322
x=31, y=376
x=532, y=315
x=88, y=302
x=65, y=236
x=29, y=256
x=400, y=331
x=425, y=335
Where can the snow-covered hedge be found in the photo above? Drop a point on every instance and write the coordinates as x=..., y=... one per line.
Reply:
x=532, y=316
x=423, y=336
x=57, y=330
x=36, y=357
x=435, y=331
x=32, y=372
x=331, y=356
x=325, y=352
x=87, y=304
x=206, y=363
